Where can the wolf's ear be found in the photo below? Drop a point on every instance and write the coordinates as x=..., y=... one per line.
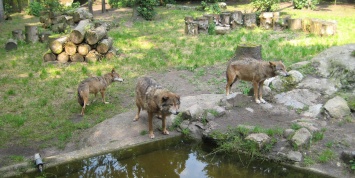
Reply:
x=272, y=64
x=165, y=98
x=113, y=70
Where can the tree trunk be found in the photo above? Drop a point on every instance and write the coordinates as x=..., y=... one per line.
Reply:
x=77, y=58
x=78, y=34
x=104, y=45
x=70, y=48
x=11, y=44
x=31, y=33
x=84, y=49
x=103, y=4
x=248, y=50
x=63, y=57
x=49, y=56
x=18, y=35
x=2, y=11
x=90, y=6
x=94, y=36
x=92, y=56
x=56, y=46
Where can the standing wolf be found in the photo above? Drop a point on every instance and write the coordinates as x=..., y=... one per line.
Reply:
x=95, y=85
x=156, y=100
x=255, y=71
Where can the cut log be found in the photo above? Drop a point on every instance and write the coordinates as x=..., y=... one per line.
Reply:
x=94, y=36
x=280, y=22
x=248, y=50
x=18, y=35
x=225, y=19
x=31, y=33
x=236, y=19
x=78, y=34
x=81, y=14
x=295, y=24
x=222, y=30
x=49, y=56
x=11, y=44
x=57, y=45
x=84, y=49
x=329, y=28
x=59, y=27
x=266, y=20
x=112, y=53
x=70, y=48
x=92, y=56
x=306, y=25
x=249, y=20
x=63, y=57
x=202, y=23
x=77, y=58
x=316, y=26
x=104, y=45
x=209, y=17
x=44, y=36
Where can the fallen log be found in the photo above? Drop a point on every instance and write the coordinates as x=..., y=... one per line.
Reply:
x=81, y=14
x=70, y=48
x=104, y=45
x=78, y=34
x=94, y=36
x=84, y=49
x=11, y=44
x=112, y=53
x=56, y=46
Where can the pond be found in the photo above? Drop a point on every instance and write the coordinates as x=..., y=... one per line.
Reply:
x=174, y=157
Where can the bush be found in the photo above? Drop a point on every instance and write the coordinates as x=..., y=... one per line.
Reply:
x=34, y=8
x=300, y=4
x=265, y=5
x=211, y=8
x=146, y=9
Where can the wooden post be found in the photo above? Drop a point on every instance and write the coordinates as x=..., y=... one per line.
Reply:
x=31, y=33
x=248, y=51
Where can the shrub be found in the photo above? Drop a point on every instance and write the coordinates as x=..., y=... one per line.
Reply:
x=265, y=5
x=34, y=8
x=211, y=8
x=146, y=8
x=300, y=4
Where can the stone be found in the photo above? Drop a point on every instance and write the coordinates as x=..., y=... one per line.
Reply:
x=301, y=137
x=337, y=107
x=299, y=65
x=288, y=132
x=347, y=155
x=295, y=156
x=313, y=111
x=220, y=111
x=298, y=98
x=281, y=83
x=324, y=86
x=260, y=138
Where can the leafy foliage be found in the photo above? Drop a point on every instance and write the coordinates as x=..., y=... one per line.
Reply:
x=300, y=4
x=211, y=8
x=146, y=9
x=265, y=5
x=34, y=8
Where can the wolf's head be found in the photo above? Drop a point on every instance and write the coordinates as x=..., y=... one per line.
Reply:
x=170, y=103
x=115, y=76
x=279, y=68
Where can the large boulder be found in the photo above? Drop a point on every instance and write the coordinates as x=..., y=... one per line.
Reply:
x=337, y=107
x=298, y=98
x=281, y=83
x=324, y=86
x=301, y=137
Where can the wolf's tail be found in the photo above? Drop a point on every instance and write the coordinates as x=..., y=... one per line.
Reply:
x=80, y=99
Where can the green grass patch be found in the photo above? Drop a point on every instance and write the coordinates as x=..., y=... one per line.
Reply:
x=326, y=156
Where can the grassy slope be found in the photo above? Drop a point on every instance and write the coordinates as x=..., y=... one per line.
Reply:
x=38, y=100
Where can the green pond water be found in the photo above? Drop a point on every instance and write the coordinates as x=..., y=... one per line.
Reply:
x=171, y=158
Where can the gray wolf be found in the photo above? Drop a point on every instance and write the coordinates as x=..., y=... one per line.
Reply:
x=156, y=100
x=255, y=71
x=95, y=85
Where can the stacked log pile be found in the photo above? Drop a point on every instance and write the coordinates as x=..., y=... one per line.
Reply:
x=85, y=43
x=226, y=21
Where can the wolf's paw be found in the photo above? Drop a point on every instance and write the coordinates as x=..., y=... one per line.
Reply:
x=151, y=135
x=165, y=132
x=257, y=101
x=262, y=101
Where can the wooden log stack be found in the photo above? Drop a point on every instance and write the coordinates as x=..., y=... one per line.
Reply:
x=84, y=44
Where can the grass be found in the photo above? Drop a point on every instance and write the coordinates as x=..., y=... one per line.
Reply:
x=326, y=156
x=38, y=99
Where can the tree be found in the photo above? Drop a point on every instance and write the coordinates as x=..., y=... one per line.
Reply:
x=2, y=14
x=103, y=6
x=90, y=7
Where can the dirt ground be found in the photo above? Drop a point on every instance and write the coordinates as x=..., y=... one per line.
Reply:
x=211, y=82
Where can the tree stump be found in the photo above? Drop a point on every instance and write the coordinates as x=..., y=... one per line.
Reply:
x=316, y=26
x=11, y=44
x=209, y=18
x=18, y=35
x=248, y=50
x=78, y=34
x=191, y=27
x=84, y=49
x=249, y=20
x=295, y=24
x=94, y=36
x=104, y=45
x=112, y=53
x=49, y=56
x=70, y=48
x=31, y=33
x=225, y=19
x=306, y=25
x=202, y=23
x=77, y=58
x=63, y=57
x=56, y=46
x=329, y=28
x=266, y=20
x=92, y=56
x=217, y=19
x=236, y=19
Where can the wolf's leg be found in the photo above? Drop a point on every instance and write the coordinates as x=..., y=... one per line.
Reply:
x=136, y=118
x=150, y=119
x=230, y=81
x=103, y=96
x=165, y=132
x=256, y=91
x=85, y=99
x=260, y=91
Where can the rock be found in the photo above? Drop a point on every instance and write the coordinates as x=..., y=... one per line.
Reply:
x=193, y=113
x=337, y=107
x=299, y=65
x=288, y=132
x=310, y=126
x=260, y=138
x=195, y=131
x=313, y=111
x=281, y=83
x=301, y=137
x=184, y=124
x=295, y=156
x=346, y=156
x=324, y=86
x=220, y=111
x=250, y=109
x=210, y=116
x=298, y=98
